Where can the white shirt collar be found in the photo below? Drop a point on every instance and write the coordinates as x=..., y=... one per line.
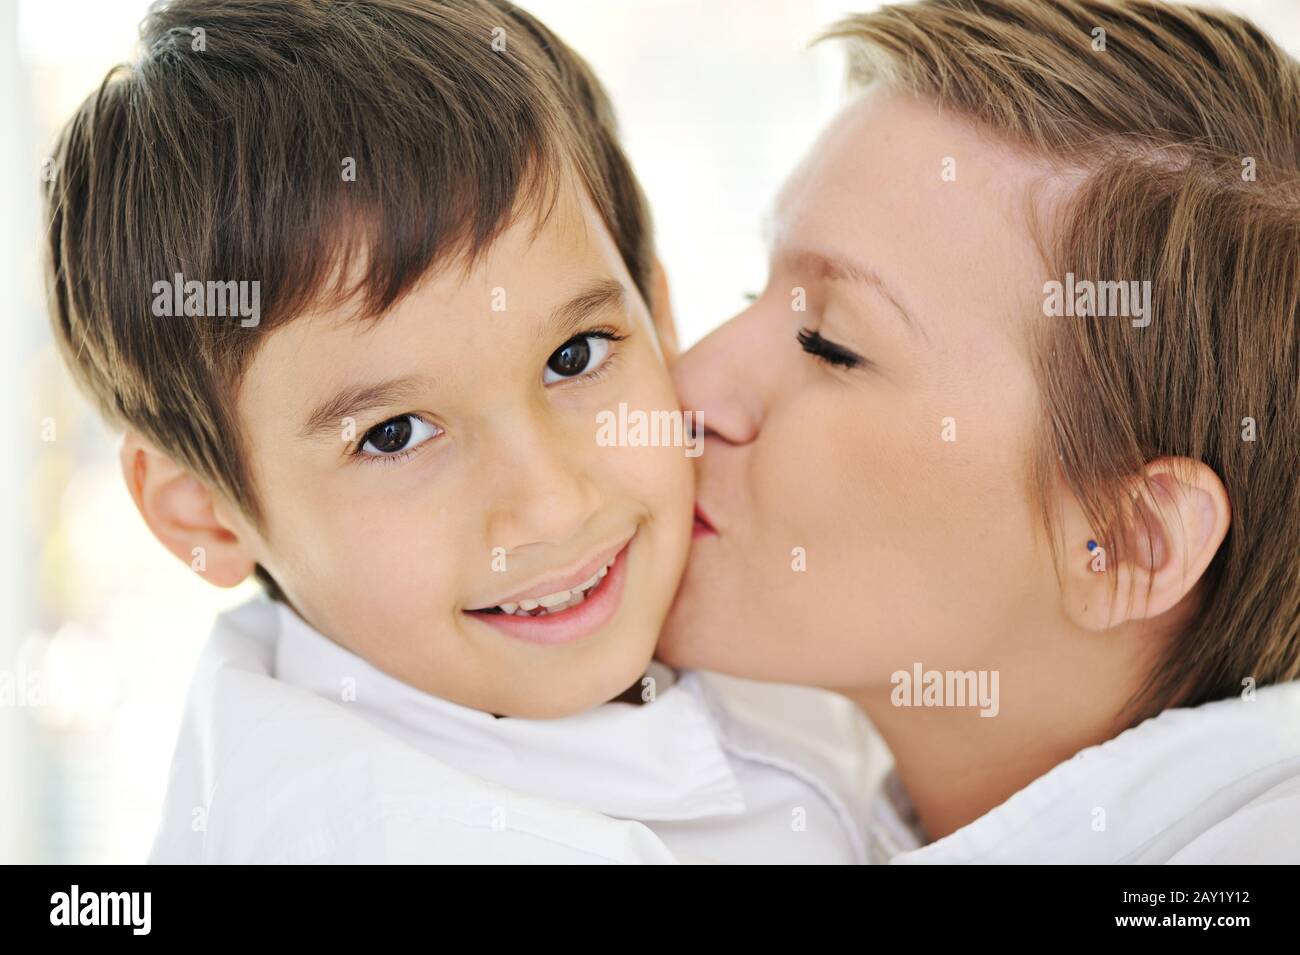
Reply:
x=654, y=762
x=1140, y=797
x=894, y=827
x=819, y=737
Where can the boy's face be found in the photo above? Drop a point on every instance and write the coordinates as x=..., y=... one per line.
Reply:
x=461, y=472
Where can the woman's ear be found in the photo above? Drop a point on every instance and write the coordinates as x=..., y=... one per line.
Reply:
x=661, y=312
x=1177, y=517
x=182, y=513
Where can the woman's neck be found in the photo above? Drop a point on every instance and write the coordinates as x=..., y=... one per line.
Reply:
x=956, y=765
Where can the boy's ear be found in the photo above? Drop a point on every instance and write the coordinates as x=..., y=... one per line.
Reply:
x=1179, y=516
x=183, y=514
x=661, y=312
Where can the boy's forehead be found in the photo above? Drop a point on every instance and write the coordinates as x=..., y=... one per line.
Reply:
x=566, y=229
x=545, y=247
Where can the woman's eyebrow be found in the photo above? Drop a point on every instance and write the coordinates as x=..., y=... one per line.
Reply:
x=834, y=268
x=355, y=400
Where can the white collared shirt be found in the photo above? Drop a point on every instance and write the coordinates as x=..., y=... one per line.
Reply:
x=294, y=749
x=1218, y=783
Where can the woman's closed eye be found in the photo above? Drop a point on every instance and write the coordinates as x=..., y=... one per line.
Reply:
x=825, y=350
x=582, y=355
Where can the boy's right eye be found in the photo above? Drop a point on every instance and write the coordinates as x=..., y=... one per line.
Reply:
x=403, y=433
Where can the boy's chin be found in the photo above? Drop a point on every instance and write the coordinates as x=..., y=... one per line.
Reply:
x=621, y=683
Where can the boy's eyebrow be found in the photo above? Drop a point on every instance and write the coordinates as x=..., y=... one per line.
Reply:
x=356, y=400
x=572, y=317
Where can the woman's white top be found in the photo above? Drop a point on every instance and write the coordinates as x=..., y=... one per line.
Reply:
x=1218, y=783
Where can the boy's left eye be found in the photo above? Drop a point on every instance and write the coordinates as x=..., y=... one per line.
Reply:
x=580, y=355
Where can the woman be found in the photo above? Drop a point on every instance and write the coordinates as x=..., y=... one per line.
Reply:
x=1006, y=452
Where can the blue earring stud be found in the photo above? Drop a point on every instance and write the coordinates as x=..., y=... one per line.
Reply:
x=1098, y=563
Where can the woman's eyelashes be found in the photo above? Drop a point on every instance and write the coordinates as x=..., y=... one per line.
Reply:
x=395, y=439
x=825, y=350
x=584, y=355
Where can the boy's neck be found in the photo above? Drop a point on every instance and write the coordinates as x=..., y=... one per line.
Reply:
x=634, y=694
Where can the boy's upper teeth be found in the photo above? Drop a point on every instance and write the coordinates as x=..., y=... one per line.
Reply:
x=557, y=600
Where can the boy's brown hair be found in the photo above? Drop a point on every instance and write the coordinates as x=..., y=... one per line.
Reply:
x=1185, y=126
x=223, y=154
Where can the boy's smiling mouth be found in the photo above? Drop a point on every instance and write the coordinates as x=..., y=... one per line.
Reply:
x=565, y=608
x=555, y=602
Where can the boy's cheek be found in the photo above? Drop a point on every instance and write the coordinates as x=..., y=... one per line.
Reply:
x=383, y=610
x=382, y=566
x=659, y=479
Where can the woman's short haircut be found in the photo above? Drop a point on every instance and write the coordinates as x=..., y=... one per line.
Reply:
x=1182, y=128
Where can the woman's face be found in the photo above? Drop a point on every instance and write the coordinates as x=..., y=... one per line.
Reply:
x=870, y=419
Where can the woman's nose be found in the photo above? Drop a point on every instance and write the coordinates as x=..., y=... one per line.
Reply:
x=722, y=380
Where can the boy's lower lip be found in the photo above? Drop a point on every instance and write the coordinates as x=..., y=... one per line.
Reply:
x=574, y=624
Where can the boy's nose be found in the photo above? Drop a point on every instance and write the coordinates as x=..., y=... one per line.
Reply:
x=541, y=492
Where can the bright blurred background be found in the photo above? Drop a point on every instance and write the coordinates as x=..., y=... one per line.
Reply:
x=101, y=628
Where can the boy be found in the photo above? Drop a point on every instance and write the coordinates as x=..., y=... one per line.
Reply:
x=444, y=276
